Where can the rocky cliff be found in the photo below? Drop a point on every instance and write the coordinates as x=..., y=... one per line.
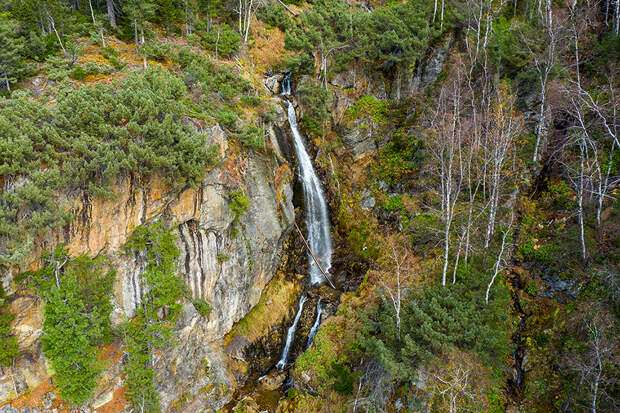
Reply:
x=228, y=267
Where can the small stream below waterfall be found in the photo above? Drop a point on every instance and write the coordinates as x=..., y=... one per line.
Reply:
x=316, y=324
x=290, y=334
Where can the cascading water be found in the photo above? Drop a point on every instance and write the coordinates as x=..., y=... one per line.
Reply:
x=286, y=85
x=317, y=222
x=291, y=334
x=316, y=324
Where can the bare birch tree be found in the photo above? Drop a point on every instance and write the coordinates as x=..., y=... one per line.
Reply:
x=395, y=263
x=245, y=12
x=446, y=148
x=593, y=365
x=544, y=64
x=504, y=127
x=499, y=262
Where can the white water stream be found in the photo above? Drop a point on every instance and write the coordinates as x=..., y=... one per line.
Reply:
x=316, y=324
x=291, y=334
x=317, y=221
x=317, y=225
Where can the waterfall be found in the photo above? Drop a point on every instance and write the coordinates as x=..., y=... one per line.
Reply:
x=315, y=326
x=291, y=334
x=317, y=222
x=286, y=85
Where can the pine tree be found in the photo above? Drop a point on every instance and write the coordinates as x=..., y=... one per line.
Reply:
x=139, y=12
x=12, y=48
x=77, y=319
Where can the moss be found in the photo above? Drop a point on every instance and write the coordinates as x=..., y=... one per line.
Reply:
x=274, y=305
x=323, y=355
x=370, y=107
x=202, y=307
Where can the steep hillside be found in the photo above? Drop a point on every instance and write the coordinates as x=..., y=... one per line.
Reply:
x=311, y=207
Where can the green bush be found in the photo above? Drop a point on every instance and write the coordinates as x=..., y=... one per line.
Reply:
x=156, y=50
x=12, y=53
x=275, y=15
x=228, y=83
x=394, y=203
x=251, y=100
x=91, y=68
x=439, y=318
x=369, y=106
x=185, y=57
x=239, y=203
x=227, y=118
x=360, y=238
x=314, y=99
x=76, y=318
x=343, y=379
x=543, y=253
x=397, y=32
x=111, y=54
x=58, y=68
x=92, y=136
x=253, y=137
x=8, y=342
x=202, y=307
x=399, y=158
x=78, y=73
x=506, y=47
x=221, y=39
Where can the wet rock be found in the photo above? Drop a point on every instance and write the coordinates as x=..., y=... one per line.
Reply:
x=272, y=84
x=273, y=380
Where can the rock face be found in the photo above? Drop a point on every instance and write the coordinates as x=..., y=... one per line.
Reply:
x=362, y=136
x=225, y=261
x=410, y=80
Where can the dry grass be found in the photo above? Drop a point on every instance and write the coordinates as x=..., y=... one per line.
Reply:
x=268, y=49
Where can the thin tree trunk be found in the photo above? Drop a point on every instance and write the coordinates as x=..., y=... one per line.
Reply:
x=135, y=34
x=499, y=259
x=313, y=256
x=617, y=17
x=111, y=14
x=442, y=7
x=446, y=251
x=478, y=28
x=287, y=8
x=541, y=112
x=580, y=201
x=599, y=370
x=248, y=20
x=458, y=255
x=603, y=188
x=51, y=20
x=92, y=14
